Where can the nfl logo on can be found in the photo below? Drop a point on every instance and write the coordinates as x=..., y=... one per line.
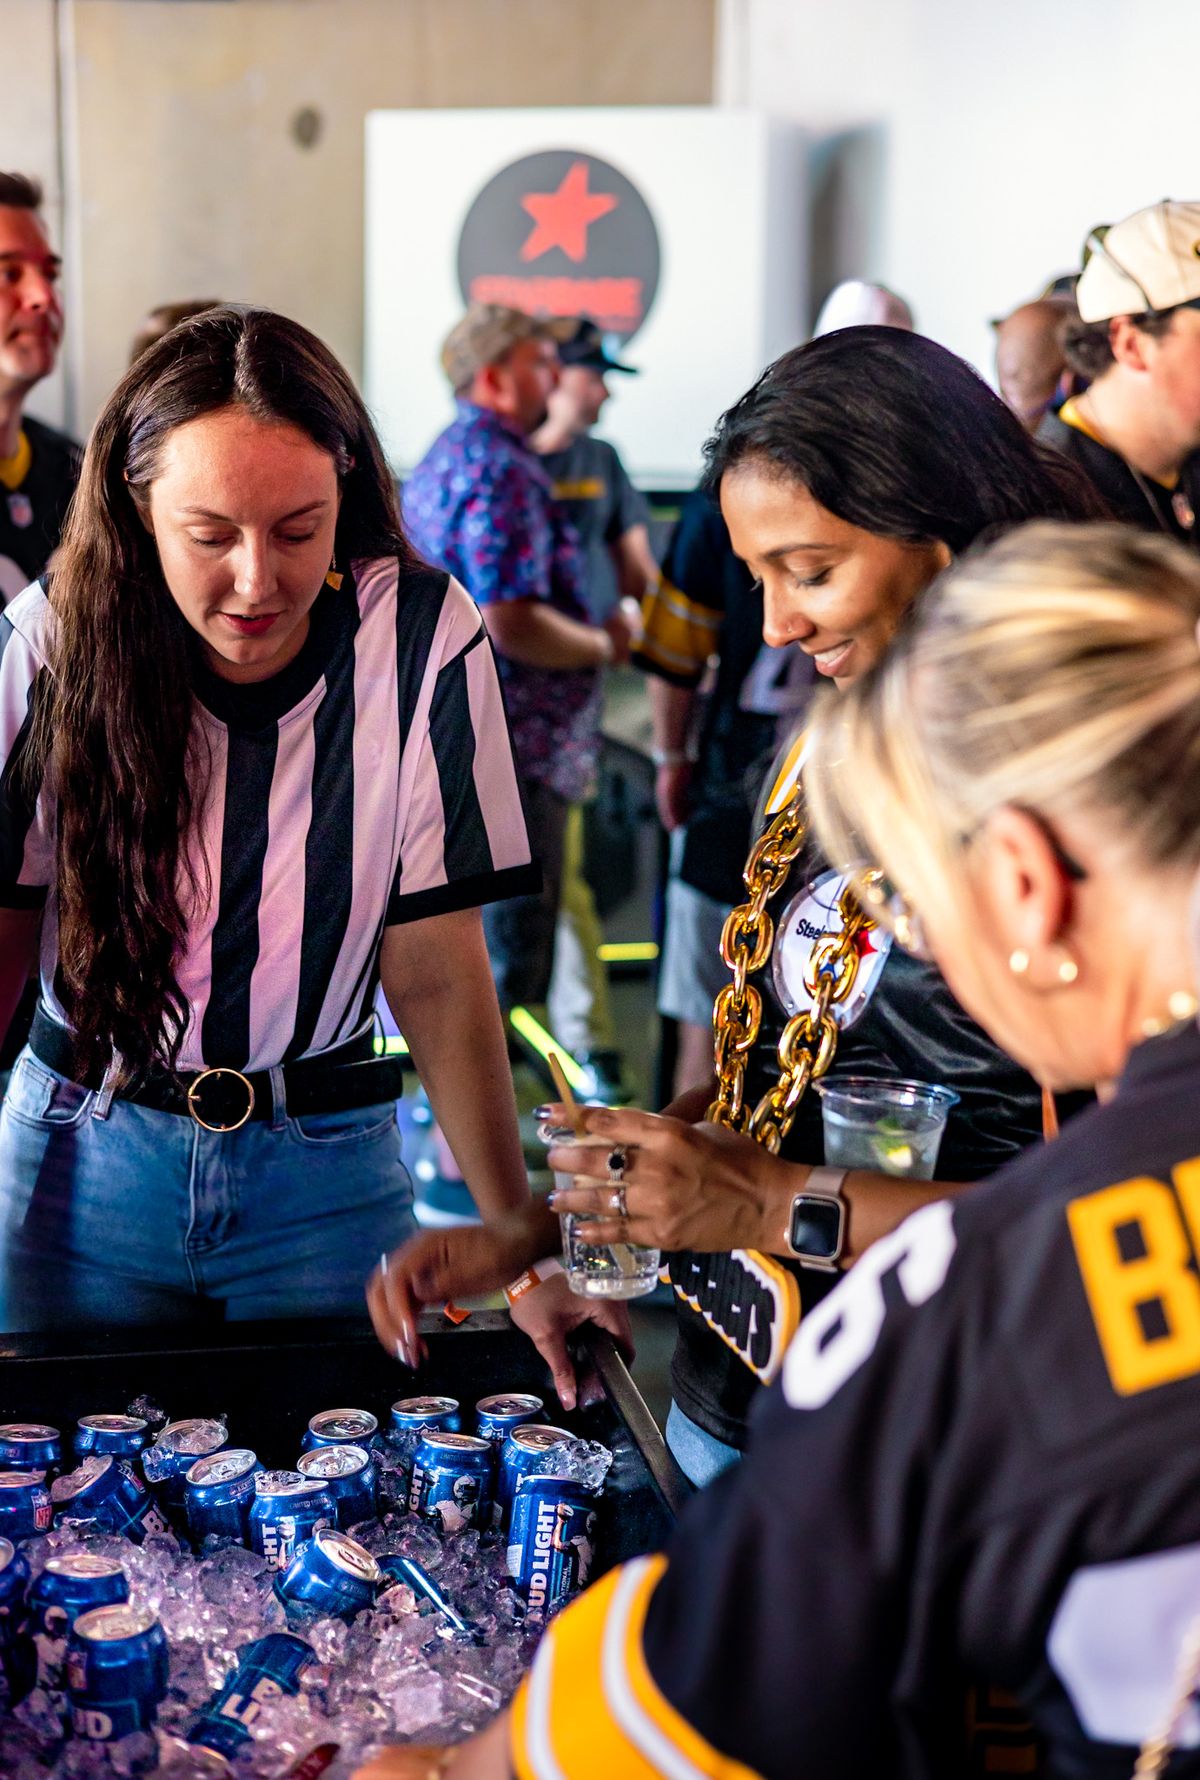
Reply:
x=20, y=510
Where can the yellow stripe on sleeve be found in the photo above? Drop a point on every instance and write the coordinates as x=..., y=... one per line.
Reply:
x=589, y=1709
x=788, y=775
x=679, y=634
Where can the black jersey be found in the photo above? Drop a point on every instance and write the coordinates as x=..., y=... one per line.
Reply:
x=979, y=1467
x=737, y=1312
x=708, y=607
x=1140, y=501
x=32, y=512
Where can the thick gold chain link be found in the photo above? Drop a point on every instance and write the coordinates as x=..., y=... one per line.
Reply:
x=809, y=1040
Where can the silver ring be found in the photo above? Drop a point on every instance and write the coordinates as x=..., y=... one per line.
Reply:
x=619, y=1207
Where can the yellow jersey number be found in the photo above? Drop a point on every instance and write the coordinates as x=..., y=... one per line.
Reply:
x=1136, y=1244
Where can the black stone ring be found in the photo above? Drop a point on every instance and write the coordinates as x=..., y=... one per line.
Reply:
x=618, y=1157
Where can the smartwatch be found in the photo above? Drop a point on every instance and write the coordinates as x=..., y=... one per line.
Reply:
x=816, y=1231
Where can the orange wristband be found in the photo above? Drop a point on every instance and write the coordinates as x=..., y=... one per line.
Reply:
x=533, y=1276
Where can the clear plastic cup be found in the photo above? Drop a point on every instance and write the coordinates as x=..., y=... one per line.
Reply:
x=619, y=1270
x=891, y=1127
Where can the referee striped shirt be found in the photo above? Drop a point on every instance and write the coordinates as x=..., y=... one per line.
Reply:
x=369, y=784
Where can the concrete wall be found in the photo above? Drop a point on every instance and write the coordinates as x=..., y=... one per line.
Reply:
x=184, y=176
x=963, y=149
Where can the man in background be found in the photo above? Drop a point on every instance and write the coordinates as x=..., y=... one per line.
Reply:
x=1135, y=431
x=590, y=482
x=480, y=504
x=39, y=466
x=1031, y=364
x=703, y=628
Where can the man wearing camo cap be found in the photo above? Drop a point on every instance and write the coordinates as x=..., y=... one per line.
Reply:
x=480, y=505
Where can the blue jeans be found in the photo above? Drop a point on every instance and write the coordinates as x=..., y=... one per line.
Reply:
x=700, y=1455
x=144, y=1217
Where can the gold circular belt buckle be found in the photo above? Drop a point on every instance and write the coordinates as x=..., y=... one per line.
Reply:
x=208, y=1075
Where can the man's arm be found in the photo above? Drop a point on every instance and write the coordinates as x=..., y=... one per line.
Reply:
x=671, y=710
x=633, y=561
x=535, y=634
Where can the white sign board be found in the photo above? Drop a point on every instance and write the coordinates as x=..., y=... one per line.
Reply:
x=680, y=229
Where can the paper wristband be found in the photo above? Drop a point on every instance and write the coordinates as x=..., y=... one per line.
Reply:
x=534, y=1276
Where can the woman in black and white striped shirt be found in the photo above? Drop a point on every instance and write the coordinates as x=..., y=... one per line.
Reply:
x=240, y=787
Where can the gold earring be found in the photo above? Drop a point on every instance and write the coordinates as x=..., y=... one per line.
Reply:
x=333, y=578
x=1018, y=962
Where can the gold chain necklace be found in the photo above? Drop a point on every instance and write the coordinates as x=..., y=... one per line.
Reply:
x=809, y=1040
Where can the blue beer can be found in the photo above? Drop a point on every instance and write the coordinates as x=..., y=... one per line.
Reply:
x=110, y=1493
x=18, y=1653
x=521, y=1456
x=496, y=1417
x=219, y=1491
x=117, y=1664
x=30, y=1446
x=551, y=1543
x=349, y=1475
x=166, y=1463
x=124, y=1436
x=25, y=1505
x=331, y=1576
x=266, y=1670
x=419, y=1415
x=340, y=1427
x=452, y=1481
x=287, y=1509
x=68, y=1586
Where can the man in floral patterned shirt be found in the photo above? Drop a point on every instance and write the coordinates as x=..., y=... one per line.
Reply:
x=480, y=505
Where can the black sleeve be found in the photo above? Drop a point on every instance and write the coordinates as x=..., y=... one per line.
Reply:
x=771, y=1633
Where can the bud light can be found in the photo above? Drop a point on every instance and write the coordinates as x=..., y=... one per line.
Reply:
x=452, y=1481
x=18, y=1654
x=287, y=1509
x=551, y=1543
x=340, y=1427
x=30, y=1446
x=418, y=1415
x=67, y=1587
x=123, y=1436
x=175, y=1450
x=496, y=1417
x=219, y=1491
x=110, y=1493
x=521, y=1456
x=266, y=1670
x=349, y=1475
x=25, y=1505
x=331, y=1576
x=117, y=1665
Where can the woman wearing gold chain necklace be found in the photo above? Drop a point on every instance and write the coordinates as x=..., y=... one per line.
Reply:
x=855, y=469
x=980, y=1464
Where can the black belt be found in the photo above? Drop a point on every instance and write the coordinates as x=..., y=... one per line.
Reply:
x=224, y=1099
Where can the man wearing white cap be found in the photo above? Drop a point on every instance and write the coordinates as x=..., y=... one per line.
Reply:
x=1135, y=432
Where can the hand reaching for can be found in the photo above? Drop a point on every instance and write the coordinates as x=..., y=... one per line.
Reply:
x=457, y=1263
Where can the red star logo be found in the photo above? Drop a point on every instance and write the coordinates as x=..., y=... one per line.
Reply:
x=562, y=218
x=863, y=943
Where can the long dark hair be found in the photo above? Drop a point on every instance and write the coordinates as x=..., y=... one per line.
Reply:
x=897, y=436
x=117, y=730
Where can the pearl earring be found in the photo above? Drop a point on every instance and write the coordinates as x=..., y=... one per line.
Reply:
x=1018, y=962
x=1068, y=970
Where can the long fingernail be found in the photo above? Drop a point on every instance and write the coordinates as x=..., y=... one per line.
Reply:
x=552, y=1199
x=383, y=1262
x=542, y=1112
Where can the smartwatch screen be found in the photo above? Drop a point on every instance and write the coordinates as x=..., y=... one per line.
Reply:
x=816, y=1227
